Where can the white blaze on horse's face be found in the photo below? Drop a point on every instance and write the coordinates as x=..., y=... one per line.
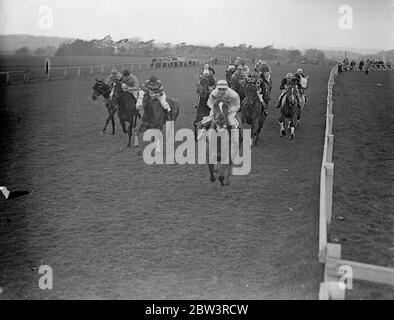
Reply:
x=221, y=106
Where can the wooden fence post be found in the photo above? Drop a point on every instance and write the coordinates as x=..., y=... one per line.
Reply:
x=91, y=69
x=102, y=69
x=331, y=275
x=65, y=72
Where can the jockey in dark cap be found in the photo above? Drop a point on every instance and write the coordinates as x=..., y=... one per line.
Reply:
x=155, y=88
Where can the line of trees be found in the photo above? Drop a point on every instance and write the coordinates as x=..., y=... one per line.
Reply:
x=137, y=48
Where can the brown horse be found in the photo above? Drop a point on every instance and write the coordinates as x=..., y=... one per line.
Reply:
x=252, y=111
x=202, y=108
x=289, y=109
x=100, y=88
x=238, y=87
x=222, y=157
x=127, y=111
x=153, y=115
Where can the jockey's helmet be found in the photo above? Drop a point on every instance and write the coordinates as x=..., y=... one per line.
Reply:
x=206, y=72
x=126, y=73
x=206, y=66
x=289, y=76
x=114, y=71
x=299, y=70
x=222, y=84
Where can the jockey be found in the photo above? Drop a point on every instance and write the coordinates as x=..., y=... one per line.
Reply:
x=207, y=67
x=301, y=82
x=286, y=81
x=155, y=88
x=115, y=75
x=298, y=76
x=130, y=83
x=211, y=83
x=232, y=99
x=257, y=79
x=239, y=74
x=245, y=67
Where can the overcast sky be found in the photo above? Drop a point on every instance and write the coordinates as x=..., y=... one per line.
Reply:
x=286, y=23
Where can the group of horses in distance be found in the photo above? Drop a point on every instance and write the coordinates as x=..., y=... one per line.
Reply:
x=153, y=116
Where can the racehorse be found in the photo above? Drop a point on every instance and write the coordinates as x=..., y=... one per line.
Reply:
x=127, y=111
x=252, y=111
x=100, y=88
x=229, y=73
x=202, y=109
x=289, y=109
x=238, y=87
x=223, y=157
x=153, y=115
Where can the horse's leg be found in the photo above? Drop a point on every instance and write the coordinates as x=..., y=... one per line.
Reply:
x=292, y=123
x=282, y=128
x=130, y=132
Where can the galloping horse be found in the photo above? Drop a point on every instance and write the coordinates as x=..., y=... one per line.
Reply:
x=252, y=111
x=127, y=111
x=153, y=115
x=289, y=109
x=202, y=109
x=100, y=88
x=238, y=87
x=223, y=157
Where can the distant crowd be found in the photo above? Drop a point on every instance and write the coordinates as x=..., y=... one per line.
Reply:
x=367, y=65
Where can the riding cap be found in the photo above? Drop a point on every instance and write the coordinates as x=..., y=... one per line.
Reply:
x=206, y=66
x=289, y=75
x=222, y=84
x=299, y=70
x=126, y=73
x=114, y=71
x=153, y=79
x=205, y=72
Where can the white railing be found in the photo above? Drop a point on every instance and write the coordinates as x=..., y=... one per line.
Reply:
x=333, y=285
x=26, y=76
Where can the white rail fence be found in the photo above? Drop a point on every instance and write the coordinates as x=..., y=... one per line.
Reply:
x=26, y=76
x=338, y=272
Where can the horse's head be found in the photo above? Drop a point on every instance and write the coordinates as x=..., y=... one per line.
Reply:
x=220, y=112
x=251, y=91
x=291, y=94
x=100, y=88
x=203, y=87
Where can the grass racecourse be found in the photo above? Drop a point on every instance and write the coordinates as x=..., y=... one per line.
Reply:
x=112, y=227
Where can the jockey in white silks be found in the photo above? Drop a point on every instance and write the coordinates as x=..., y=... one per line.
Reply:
x=130, y=83
x=232, y=99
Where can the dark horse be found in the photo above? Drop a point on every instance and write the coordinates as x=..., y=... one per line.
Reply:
x=223, y=157
x=252, y=111
x=127, y=111
x=202, y=108
x=237, y=86
x=289, y=109
x=100, y=88
x=153, y=115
